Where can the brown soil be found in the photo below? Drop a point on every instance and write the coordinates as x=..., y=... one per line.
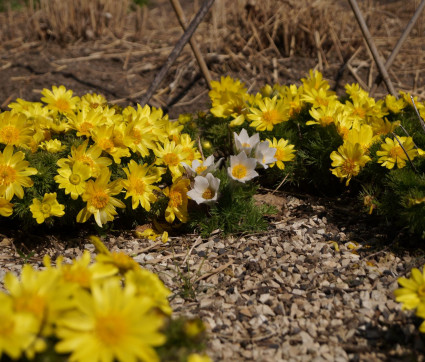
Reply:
x=122, y=68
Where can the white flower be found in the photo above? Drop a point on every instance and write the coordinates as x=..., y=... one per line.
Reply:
x=242, y=168
x=200, y=168
x=205, y=189
x=265, y=154
x=245, y=143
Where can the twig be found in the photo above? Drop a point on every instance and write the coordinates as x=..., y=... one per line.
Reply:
x=177, y=50
x=417, y=113
x=196, y=52
x=197, y=242
x=215, y=271
x=372, y=47
x=407, y=155
x=400, y=42
x=281, y=183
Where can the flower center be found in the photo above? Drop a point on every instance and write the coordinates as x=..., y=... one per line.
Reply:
x=45, y=208
x=74, y=179
x=396, y=152
x=31, y=303
x=137, y=136
x=246, y=145
x=100, y=200
x=138, y=186
x=348, y=167
x=208, y=194
x=9, y=135
x=7, y=175
x=321, y=101
x=62, y=105
x=359, y=112
x=200, y=169
x=111, y=329
x=7, y=326
x=85, y=128
x=271, y=117
x=280, y=154
x=176, y=199
x=171, y=159
x=239, y=171
x=80, y=275
x=94, y=105
x=106, y=144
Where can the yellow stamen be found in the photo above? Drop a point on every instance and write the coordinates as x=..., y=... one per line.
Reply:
x=7, y=175
x=239, y=171
x=176, y=199
x=110, y=329
x=9, y=135
x=208, y=194
x=171, y=159
x=74, y=179
x=100, y=200
x=271, y=117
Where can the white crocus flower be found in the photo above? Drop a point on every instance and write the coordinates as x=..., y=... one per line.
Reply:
x=205, y=189
x=242, y=168
x=201, y=168
x=245, y=143
x=265, y=154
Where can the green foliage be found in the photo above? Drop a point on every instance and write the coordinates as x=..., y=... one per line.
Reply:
x=184, y=336
x=235, y=211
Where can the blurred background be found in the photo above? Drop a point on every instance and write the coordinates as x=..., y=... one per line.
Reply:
x=116, y=47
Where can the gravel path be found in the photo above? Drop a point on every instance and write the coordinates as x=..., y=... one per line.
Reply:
x=301, y=291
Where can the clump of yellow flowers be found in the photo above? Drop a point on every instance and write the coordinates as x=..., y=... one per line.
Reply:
x=102, y=310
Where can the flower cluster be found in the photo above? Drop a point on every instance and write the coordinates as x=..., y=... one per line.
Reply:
x=98, y=156
x=412, y=294
x=111, y=309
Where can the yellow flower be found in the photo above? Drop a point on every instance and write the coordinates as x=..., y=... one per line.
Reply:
x=100, y=203
x=393, y=104
x=15, y=129
x=52, y=146
x=284, y=152
x=139, y=136
x=348, y=161
x=110, y=323
x=80, y=274
x=177, y=204
x=39, y=294
x=412, y=293
x=6, y=208
x=94, y=101
x=104, y=138
x=18, y=331
x=151, y=235
x=118, y=261
x=42, y=210
x=14, y=172
x=85, y=121
x=319, y=97
x=393, y=154
x=325, y=116
x=60, y=99
x=269, y=113
x=363, y=136
x=382, y=126
x=170, y=155
x=315, y=81
x=73, y=180
x=149, y=285
x=229, y=99
x=139, y=184
x=90, y=157
x=189, y=150
x=196, y=357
